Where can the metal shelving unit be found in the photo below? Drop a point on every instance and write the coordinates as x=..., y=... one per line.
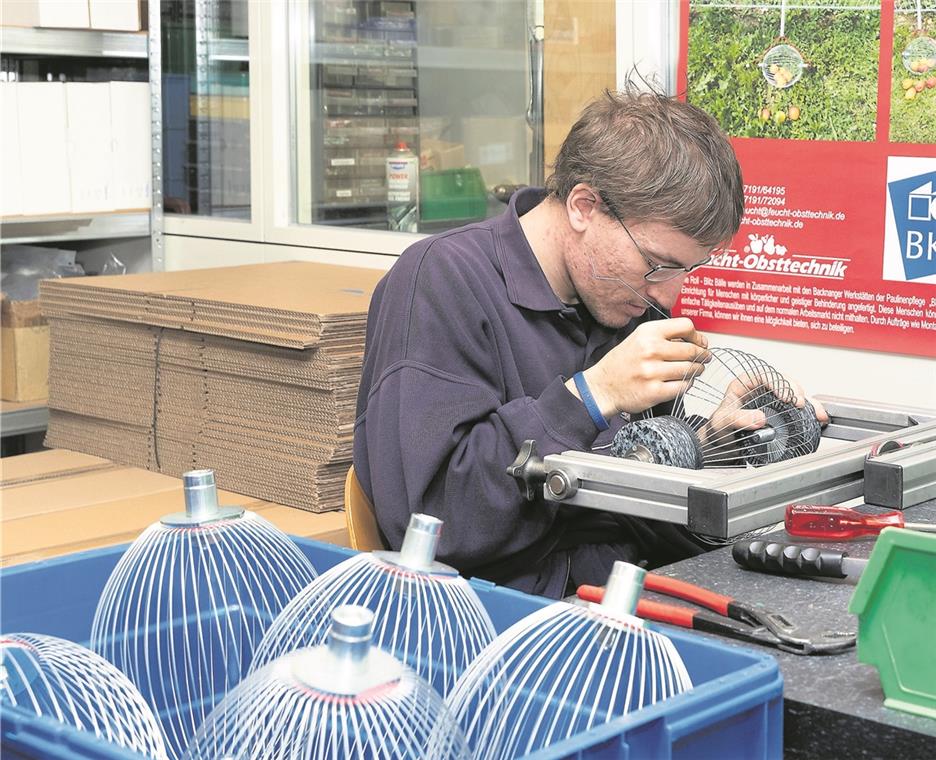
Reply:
x=156, y=226
x=205, y=103
x=42, y=229
x=228, y=50
x=78, y=43
x=81, y=43
x=24, y=418
x=18, y=418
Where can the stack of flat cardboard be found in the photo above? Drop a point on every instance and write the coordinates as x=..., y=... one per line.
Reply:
x=57, y=502
x=250, y=371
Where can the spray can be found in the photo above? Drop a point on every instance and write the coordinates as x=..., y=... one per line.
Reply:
x=402, y=189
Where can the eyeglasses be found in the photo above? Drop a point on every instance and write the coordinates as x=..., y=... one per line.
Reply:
x=657, y=272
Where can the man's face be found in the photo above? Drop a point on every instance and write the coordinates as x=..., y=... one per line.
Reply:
x=608, y=265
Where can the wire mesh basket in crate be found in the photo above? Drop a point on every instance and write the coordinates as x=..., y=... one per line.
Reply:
x=735, y=708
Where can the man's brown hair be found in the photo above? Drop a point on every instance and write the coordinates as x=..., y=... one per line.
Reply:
x=654, y=158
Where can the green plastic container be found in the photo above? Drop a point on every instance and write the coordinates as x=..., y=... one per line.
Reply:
x=895, y=602
x=452, y=195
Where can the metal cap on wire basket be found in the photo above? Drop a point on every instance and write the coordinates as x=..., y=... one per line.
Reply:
x=348, y=664
x=428, y=615
x=189, y=601
x=201, y=502
x=563, y=668
x=341, y=699
x=623, y=588
x=417, y=554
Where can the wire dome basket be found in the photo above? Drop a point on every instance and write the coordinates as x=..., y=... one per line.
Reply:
x=736, y=411
x=919, y=57
x=189, y=602
x=566, y=669
x=347, y=699
x=58, y=679
x=783, y=66
x=426, y=614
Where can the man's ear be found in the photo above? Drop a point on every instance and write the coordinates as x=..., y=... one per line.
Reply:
x=582, y=207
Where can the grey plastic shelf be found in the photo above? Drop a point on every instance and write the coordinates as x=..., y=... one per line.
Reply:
x=19, y=418
x=229, y=50
x=73, y=42
x=38, y=229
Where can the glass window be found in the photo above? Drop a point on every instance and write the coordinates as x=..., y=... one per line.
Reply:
x=206, y=108
x=412, y=115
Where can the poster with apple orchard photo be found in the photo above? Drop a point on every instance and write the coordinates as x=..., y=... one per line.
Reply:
x=831, y=108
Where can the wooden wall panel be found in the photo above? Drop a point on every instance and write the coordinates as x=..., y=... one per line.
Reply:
x=578, y=63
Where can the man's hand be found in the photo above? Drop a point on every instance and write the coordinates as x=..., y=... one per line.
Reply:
x=731, y=415
x=653, y=364
x=821, y=414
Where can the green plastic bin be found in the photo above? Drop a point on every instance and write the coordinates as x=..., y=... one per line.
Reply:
x=895, y=602
x=452, y=195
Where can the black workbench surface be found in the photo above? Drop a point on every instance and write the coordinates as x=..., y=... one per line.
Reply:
x=834, y=705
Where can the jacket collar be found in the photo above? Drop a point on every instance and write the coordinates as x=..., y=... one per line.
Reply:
x=526, y=282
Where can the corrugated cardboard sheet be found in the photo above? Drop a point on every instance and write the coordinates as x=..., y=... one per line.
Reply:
x=252, y=371
x=57, y=502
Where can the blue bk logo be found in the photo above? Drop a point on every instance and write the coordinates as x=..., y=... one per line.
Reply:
x=913, y=201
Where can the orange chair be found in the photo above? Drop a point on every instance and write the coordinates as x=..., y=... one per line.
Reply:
x=360, y=517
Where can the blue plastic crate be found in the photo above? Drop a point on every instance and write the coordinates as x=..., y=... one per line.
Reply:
x=734, y=710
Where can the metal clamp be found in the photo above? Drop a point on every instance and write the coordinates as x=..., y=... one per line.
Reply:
x=529, y=470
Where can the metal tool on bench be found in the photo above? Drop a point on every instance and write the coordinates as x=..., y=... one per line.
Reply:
x=726, y=502
x=343, y=699
x=843, y=523
x=737, y=620
x=427, y=615
x=190, y=600
x=63, y=681
x=793, y=559
x=599, y=660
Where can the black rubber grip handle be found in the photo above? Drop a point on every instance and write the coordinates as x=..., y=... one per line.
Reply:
x=788, y=559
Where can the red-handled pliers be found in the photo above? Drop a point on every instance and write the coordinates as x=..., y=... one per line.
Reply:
x=734, y=619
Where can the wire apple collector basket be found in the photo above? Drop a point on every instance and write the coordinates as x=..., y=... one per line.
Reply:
x=919, y=56
x=783, y=65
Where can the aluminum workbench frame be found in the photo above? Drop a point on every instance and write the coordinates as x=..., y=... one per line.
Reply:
x=727, y=502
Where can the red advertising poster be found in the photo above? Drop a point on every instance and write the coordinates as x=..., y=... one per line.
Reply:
x=831, y=107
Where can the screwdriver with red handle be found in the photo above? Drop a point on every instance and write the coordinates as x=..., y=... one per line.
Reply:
x=841, y=523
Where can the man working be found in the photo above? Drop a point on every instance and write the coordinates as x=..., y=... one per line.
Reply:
x=545, y=323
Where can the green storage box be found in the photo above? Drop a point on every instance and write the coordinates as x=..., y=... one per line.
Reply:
x=895, y=602
x=457, y=195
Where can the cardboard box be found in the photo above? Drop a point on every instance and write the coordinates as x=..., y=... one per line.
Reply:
x=24, y=352
x=19, y=13
x=64, y=14
x=89, y=146
x=42, y=465
x=131, y=180
x=499, y=147
x=122, y=15
x=57, y=502
x=435, y=155
x=11, y=187
x=44, y=155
